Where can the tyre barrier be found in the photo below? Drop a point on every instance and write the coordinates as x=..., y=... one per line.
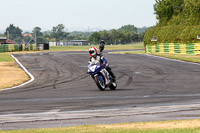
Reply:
x=174, y=48
x=20, y=47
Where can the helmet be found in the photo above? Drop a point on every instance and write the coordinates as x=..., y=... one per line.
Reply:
x=102, y=42
x=92, y=51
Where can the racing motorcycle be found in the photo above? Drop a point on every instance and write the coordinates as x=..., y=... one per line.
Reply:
x=101, y=76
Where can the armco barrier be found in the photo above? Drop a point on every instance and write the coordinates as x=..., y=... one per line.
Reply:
x=174, y=48
x=17, y=47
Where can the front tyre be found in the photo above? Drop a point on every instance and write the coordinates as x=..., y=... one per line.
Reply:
x=100, y=82
x=113, y=86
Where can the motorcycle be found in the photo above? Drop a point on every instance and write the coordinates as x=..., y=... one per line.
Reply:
x=101, y=76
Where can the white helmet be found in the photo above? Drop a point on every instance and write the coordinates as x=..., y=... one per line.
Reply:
x=92, y=51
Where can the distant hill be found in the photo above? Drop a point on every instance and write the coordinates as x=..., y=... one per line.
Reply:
x=142, y=30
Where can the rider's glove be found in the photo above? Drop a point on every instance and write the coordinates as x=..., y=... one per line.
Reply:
x=103, y=65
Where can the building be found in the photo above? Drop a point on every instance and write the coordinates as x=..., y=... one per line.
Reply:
x=70, y=43
x=24, y=35
x=4, y=40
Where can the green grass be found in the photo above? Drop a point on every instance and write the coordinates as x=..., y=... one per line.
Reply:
x=5, y=57
x=97, y=129
x=131, y=52
x=107, y=47
x=92, y=129
x=189, y=58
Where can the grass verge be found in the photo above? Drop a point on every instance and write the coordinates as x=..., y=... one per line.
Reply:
x=107, y=47
x=189, y=58
x=4, y=57
x=10, y=74
x=131, y=52
x=181, y=126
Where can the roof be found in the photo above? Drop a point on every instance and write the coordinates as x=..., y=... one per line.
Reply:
x=9, y=42
x=27, y=35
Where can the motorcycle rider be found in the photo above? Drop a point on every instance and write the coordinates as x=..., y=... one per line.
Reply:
x=95, y=58
x=101, y=48
x=101, y=45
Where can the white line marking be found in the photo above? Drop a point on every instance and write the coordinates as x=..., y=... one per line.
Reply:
x=87, y=114
x=29, y=74
x=172, y=59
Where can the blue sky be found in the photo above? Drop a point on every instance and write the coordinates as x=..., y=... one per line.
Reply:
x=103, y=14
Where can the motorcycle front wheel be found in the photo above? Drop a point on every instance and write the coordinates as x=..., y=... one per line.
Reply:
x=100, y=82
x=113, y=86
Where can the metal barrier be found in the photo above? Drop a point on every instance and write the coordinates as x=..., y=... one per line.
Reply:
x=174, y=48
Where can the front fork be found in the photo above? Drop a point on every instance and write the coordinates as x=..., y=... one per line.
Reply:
x=105, y=74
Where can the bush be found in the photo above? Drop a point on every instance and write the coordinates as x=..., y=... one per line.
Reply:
x=173, y=34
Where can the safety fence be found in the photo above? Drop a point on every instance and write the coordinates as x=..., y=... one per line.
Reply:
x=174, y=48
x=17, y=47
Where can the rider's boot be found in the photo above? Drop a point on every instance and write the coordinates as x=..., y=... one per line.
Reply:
x=111, y=73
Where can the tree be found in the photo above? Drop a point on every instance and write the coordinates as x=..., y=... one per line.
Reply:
x=116, y=36
x=58, y=32
x=106, y=36
x=95, y=37
x=28, y=39
x=37, y=31
x=14, y=33
x=129, y=28
x=163, y=10
x=126, y=34
x=76, y=35
x=177, y=12
x=47, y=36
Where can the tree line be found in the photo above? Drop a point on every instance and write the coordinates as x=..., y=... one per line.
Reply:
x=177, y=12
x=123, y=35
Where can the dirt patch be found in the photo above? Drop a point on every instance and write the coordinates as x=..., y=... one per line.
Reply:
x=158, y=125
x=11, y=75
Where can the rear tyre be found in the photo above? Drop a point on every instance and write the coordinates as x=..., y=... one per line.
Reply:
x=100, y=82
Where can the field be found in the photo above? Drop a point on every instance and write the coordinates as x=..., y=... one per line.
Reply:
x=107, y=47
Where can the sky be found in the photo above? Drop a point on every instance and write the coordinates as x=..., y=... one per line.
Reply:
x=76, y=14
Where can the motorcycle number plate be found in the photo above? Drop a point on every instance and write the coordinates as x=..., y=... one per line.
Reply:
x=93, y=68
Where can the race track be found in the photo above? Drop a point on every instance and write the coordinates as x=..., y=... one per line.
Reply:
x=62, y=94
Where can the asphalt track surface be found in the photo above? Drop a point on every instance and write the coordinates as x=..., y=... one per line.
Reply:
x=62, y=94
